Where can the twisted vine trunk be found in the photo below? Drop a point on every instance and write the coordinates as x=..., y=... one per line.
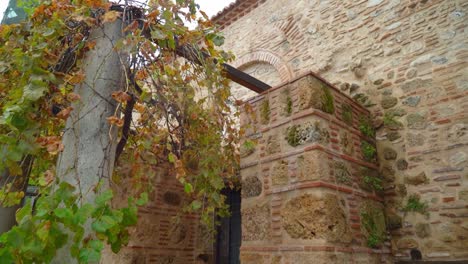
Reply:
x=89, y=140
x=8, y=214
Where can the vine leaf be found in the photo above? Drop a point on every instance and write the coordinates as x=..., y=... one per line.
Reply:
x=104, y=197
x=34, y=91
x=88, y=255
x=64, y=213
x=143, y=199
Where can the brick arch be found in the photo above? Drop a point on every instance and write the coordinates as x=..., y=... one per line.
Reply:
x=277, y=62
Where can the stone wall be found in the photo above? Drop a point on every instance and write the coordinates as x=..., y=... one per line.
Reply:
x=406, y=61
x=310, y=194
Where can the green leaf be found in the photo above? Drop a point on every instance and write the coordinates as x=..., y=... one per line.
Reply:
x=117, y=215
x=23, y=212
x=130, y=216
x=88, y=255
x=64, y=213
x=104, y=197
x=33, y=246
x=109, y=221
x=83, y=213
x=15, y=153
x=64, y=192
x=116, y=247
x=196, y=205
x=188, y=188
x=157, y=34
x=15, y=237
x=43, y=232
x=218, y=40
x=75, y=250
x=171, y=157
x=34, y=92
x=48, y=32
x=5, y=256
x=103, y=224
x=97, y=245
x=18, y=121
x=171, y=42
x=143, y=199
x=99, y=226
x=42, y=207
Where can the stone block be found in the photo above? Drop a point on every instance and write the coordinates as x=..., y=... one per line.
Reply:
x=251, y=258
x=393, y=220
x=388, y=102
x=312, y=93
x=256, y=222
x=279, y=173
x=314, y=132
x=312, y=217
x=272, y=144
x=422, y=230
x=416, y=179
x=342, y=174
x=407, y=243
x=312, y=166
x=389, y=154
x=251, y=187
x=463, y=195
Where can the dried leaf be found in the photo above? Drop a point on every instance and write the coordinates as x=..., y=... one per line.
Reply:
x=113, y=120
x=121, y=96
x=73, y=97
x=90, y=45
x=65, y=113
x=179, y=169
x=49, y=177
x=75, y=78
x=140, y=108
x=110, y=16
x=53, y=144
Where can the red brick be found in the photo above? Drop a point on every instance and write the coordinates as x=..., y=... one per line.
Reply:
x=448, y=199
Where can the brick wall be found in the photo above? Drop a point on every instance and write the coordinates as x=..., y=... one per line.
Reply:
x=164, y=234
x=405, y=60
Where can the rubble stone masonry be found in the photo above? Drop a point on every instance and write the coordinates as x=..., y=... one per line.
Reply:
x=406, y=62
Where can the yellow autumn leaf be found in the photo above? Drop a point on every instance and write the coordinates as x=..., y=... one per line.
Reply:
x=110, y=16
x=113, y=120
x=75, y=78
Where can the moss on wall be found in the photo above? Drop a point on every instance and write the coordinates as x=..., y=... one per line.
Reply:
x=373, y=223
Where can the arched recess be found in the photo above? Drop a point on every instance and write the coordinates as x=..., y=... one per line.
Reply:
x=266, y=57
x=263, y=65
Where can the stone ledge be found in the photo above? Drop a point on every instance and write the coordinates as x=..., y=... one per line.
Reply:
x=431, y=262
x=321, y=184
x=313, y=248
x=306, y=148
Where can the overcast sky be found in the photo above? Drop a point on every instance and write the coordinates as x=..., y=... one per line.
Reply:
x=3, y=5
x=211, y=7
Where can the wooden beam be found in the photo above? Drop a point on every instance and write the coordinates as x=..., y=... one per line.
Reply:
x=245, y=79
x=231, y=72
